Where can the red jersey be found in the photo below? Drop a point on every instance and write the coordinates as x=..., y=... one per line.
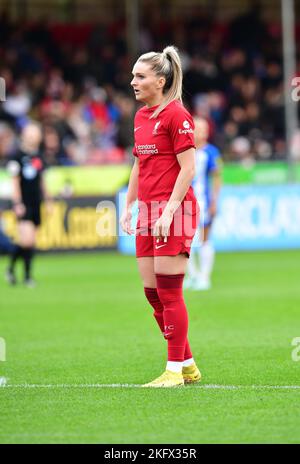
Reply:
x=157, y=142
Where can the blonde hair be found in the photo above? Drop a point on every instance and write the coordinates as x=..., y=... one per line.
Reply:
x=168, y=65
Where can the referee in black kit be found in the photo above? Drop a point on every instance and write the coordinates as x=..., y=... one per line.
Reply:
x=28, y=191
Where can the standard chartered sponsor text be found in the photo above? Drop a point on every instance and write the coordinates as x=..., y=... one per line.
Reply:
x=147, y=149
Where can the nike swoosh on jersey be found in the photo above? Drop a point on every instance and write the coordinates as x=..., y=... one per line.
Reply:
x=137, y=128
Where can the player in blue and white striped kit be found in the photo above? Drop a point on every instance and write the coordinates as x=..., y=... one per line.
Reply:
x=206, y=185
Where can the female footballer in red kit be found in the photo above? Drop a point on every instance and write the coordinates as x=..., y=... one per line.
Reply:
x=168, y=211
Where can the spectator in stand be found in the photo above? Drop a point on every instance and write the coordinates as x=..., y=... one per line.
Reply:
x=241, y=151
x=53, y=149
x=8, y=143
x=231, y=77
x=125, y=138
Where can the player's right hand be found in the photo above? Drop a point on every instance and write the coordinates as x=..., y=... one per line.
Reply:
x=125, y=221
x=19, y=209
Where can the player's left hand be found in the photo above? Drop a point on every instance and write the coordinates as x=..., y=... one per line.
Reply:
x=162, y=225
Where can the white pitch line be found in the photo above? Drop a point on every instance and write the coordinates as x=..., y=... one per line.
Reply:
x=126, y=385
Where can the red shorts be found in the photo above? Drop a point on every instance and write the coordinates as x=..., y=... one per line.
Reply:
x=179, y=240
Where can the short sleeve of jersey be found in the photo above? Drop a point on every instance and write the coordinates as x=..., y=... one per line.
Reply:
x=13, y=167
x=213, y=157
x=181, y=130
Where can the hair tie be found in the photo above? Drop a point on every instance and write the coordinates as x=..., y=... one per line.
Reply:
x=168, y=56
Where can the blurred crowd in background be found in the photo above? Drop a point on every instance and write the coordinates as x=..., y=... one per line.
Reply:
x=75, y=80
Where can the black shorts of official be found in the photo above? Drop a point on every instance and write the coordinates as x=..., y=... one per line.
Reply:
x=32, y=214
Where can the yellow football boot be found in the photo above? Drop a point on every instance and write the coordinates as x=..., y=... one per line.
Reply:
x=167, y=380
x=191, y=374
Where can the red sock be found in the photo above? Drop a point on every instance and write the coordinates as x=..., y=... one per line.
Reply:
x=169, y=289
x=153, y=298
x=187, y=352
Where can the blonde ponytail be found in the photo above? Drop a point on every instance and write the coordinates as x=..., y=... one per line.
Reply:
x=168, y=65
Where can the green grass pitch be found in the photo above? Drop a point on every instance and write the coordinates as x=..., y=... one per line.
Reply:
x=88, y=323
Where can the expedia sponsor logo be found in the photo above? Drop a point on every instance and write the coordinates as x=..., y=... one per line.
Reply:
x=187, y=128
